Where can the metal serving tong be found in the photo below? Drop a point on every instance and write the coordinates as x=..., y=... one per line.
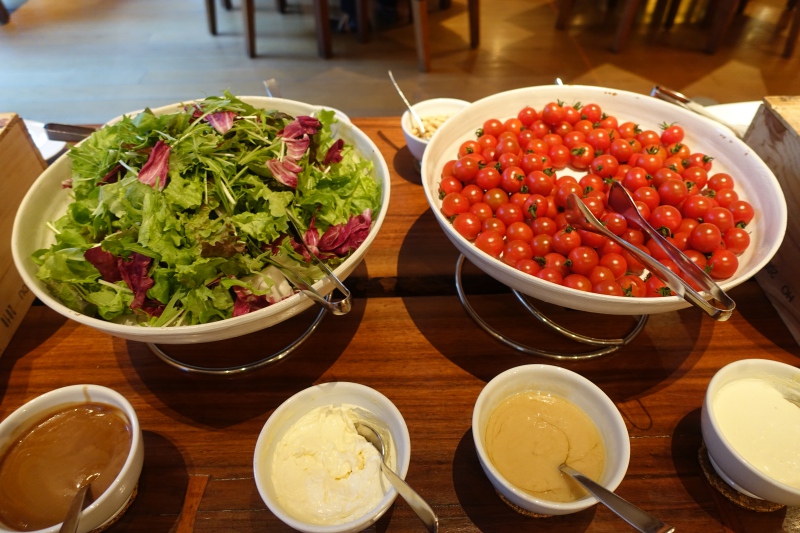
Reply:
x=337, y=307
x=619, y=200
x=674, y=97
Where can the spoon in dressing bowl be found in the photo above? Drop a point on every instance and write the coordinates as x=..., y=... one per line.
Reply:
x=637, y=518
x=414, y=500
x=72, y=520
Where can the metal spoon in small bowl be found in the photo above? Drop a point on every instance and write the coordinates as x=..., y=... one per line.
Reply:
x=414, y=500
x=71, y=521
x=637, y=518
x=414, y=114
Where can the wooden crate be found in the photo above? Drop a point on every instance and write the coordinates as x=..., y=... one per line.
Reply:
x=775, y=136
x=20, y=164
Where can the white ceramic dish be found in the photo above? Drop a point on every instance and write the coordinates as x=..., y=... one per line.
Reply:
x=727, y=462
x=754, y=183
x=46, y=201
x=336, y=393
x=114, y=499
x=427, y=108
x=46, y=147
x=577, y=390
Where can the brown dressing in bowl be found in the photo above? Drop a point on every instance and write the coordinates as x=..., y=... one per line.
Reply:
x=41, y=470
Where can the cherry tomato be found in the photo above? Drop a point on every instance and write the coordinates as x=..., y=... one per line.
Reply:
x=535, y=206
x=544, y=225
x=592, y=112
x=495, y=225
x=448, y=185
x=487, y=141
x=633, y=286
x=581, y=156
x=671, y=133
x=542, y=244
x=509, y=213
x=487, y=178
x=563, y=192
x=656, y=288
x=648, y=196
x=465, y=169
x=573, y=138
x=599, y=139
x=565, y=240
x=467, y=225
x=495, y=198
x=621, y=150
x=493, y=127
x=583, y=259
x=742, y=212
x=736, y=240
x=696, y=206
x=699, y=160
x=615, y=263
x=529, y=266
x=527, y=116
x=550, y=274
x=705, y=238
x=454, y=204
x=648, y=137
x=666, y=219
x=604, y=165
x=490, y=242
x=519, y=231
x=628, y=130
x=722, y=264
x=553, y=113
x=516, y=250
x=511, y=180
x=720, y=181
x=509, y=160
x=725, y=197
x=538, y=182
x=560, y=155
x=615, y=223
x=447, y=170
x=635, y=178
x=472, y=193
x=482, y=211
x=577, y=282
x=673, y=192
x=720, y=217
x=469, y=147
x=609, y=287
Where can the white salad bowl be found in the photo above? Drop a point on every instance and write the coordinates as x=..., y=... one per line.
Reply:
x=47, y=201
x=754, y=182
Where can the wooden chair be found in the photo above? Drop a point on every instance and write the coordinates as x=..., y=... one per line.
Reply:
x=321, y=15
x=419, y=15
x=624, y=25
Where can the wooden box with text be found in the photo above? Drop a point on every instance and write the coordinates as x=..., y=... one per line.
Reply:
x=20, y=165
x=774, y=135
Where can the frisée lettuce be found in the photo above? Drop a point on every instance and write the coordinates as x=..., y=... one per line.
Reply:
x=183, y=218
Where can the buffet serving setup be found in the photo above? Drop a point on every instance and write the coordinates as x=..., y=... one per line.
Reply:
x=403, y=346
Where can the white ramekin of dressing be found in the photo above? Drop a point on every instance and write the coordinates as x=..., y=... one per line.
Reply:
x=751, y=432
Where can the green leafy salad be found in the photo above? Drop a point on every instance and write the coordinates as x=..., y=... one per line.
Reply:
x=184, y=218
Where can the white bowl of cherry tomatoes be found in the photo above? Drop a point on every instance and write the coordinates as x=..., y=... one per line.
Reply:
x=498, y=174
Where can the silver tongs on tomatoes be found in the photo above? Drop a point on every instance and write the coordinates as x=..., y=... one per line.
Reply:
x=619, y=200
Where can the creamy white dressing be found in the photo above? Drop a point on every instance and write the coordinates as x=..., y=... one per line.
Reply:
x=324, y=472
x=760, y=424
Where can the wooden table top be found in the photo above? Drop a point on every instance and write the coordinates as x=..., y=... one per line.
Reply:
x=408, y=337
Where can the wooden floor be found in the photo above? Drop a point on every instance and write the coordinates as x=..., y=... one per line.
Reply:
x=91, y=60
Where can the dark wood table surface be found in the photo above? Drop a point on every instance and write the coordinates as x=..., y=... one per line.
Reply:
x=408, y=337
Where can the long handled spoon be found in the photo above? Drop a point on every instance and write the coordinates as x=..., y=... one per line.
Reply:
x=414, y=114
x=414, y=500
x=71, y=521
x=637, y=518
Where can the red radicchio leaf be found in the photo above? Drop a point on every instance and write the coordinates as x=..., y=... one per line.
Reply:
x=112, y=176
x=157, y=167
x=66, y=184
x=300, y=126
x=246, y=301
x=222, y=121
x=340, y=239
x=134, y=272
x=311, y=237
x=197, y=111
x=334, y=154
x=295, y=148
x=153, y=307
x=105, y=262
x=284, y=171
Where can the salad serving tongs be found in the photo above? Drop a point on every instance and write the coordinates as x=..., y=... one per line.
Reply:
x=674, y=97
x=719, y=306
x=337, y=307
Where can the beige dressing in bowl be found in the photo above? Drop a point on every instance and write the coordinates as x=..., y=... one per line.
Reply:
x=529, y=435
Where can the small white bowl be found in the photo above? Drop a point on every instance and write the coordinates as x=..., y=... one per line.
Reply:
x=427, y=108
x=335, y=393
x=727, y=462
x=577, y=390
x=113, y=501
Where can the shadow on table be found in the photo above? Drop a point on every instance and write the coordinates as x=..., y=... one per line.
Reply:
x=223, y=401
x=653, y=360
x=161, y=490
x=686, y=441
x=485, y=508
